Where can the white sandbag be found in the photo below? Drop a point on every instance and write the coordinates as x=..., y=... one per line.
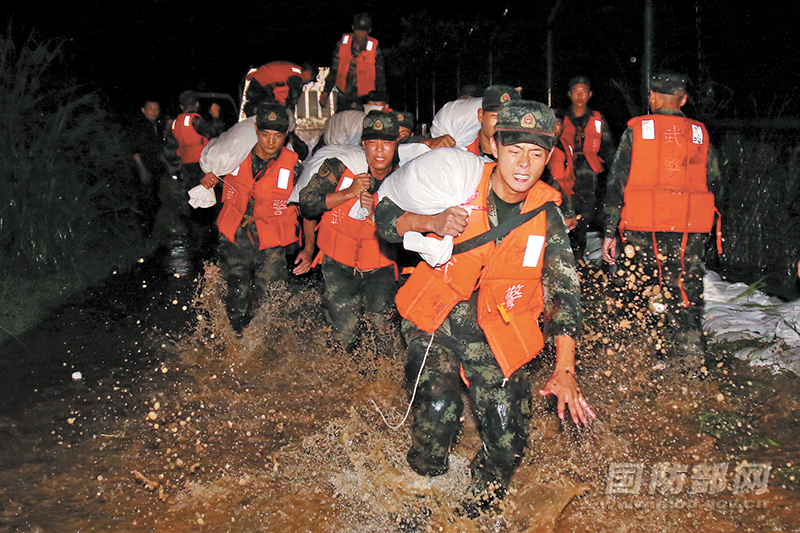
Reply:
x=352, y=156
x=459, y=119
x=223, y=154
x=200, y=197
x=434, y=181
x=734, y=313
x=428, y=185
x=344, y=128
x=407, y=152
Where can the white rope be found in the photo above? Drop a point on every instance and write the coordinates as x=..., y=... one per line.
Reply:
x=413, y=395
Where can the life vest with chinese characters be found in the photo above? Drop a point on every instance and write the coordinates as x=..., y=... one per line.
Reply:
x=508, y=277
x=190, y=143
x=275, y=221
x=365, y=64
x=592, y=136
x=667, y=188
x=275, y=74
x=350, y=241
x=561, y=167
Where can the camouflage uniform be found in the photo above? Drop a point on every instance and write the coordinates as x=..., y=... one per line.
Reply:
x=246, y=269
x=350, y=293
x=501, y=408
x=585, y=191
x=687, y=321
x=349, y=98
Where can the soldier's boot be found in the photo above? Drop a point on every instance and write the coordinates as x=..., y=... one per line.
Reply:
x=237, y=305
x=435, y=426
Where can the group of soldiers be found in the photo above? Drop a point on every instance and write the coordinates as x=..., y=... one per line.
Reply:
x=498, y=224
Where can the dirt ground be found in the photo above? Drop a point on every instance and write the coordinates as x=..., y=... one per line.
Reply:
x=282, y=430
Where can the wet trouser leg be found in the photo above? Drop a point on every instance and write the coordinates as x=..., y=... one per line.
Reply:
x=584, y=201
x=349, y=293
x=684, y=321
x=501, y=410
x=438, y=405
x=247, y=272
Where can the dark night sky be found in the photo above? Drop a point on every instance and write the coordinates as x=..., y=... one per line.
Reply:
x=160, y=47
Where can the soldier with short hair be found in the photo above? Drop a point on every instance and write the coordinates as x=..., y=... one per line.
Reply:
x=661, y=196
x=356, y=67
x=587, y=133
x=358, y=267
x=257, y=226
x=515, y=243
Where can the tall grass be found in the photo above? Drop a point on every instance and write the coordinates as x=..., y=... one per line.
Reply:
x=65, y=191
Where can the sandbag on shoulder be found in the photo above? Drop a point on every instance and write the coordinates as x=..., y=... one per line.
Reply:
x=459, y=119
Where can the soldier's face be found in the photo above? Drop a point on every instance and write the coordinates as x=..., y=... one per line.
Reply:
x=519, y=167
x=269, y=142
x=580, y=94
x=488, y=120
x=380, y=153
x=404, y=132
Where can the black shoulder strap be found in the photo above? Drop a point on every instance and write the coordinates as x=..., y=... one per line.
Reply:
x=499, y=231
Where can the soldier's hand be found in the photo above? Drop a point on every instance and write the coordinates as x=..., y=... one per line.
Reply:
x=303, y=263
x=367, y=202
x=610, y=250
x=359, y=185
x=445, y=141
x=214, y=110
x=451, y=221
x=571, y=223
x=323, y=98
x=564, y=385
x=209, y=180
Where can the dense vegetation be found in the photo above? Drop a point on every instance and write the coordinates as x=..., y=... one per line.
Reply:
x=68, y=213
x=66, y=192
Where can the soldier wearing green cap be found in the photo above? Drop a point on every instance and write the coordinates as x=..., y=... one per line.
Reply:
x=356, y=67
x=589, y=138
x=257, y=226
x=358, y=267
x=527, y=270
x=494, y=97
x=661, y=197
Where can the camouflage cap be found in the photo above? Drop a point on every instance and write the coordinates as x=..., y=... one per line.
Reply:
x=380, y=125
x=666, y=82
x=272, y=116
x=405, y=119
x=525, y=121
x=362, y=21
x=580, y=79
x=495, y=95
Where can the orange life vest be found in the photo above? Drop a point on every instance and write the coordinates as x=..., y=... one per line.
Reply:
x=592, y=137
x=561, y=167
x=475, y=147
x=190, y=143
x=508, y=277
x=275, y=220
x=350, y=241
x=667, y=188
x=276, y=73
x=365, y=64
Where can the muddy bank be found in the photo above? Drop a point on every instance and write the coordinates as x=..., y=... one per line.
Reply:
x=276, y=431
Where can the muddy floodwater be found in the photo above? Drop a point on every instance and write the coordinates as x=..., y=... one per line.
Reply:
x=174, y=423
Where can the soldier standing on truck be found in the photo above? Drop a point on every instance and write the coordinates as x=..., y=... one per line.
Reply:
x=356, y=67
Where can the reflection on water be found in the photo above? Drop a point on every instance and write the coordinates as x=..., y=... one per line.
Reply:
x=181, y=425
